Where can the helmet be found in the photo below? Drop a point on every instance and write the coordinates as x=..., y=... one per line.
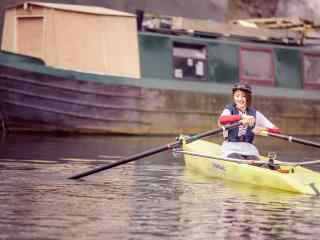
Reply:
x=242, y=86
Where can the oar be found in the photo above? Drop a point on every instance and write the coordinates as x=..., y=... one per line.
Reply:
x=155, y=150
x=291, y=139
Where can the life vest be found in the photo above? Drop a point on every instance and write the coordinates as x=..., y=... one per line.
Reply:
x=242, y=133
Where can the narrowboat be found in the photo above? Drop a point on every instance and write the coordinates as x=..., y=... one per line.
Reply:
x=81, y=69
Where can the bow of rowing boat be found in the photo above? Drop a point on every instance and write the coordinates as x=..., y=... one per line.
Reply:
x=204, y=157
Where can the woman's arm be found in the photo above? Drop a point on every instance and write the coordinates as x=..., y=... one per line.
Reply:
x=223, y=120
x=227, y=118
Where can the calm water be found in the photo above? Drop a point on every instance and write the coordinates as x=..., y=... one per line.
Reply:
x=153, y=198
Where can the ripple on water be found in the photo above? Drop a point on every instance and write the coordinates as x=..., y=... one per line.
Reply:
x=153, y=198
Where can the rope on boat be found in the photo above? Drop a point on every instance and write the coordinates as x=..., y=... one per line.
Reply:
x=3, y=123
x=4, y=127
x=294, y=164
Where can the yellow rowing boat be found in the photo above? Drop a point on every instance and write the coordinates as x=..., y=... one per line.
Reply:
x=205, y=158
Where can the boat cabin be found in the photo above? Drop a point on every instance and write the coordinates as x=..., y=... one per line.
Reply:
x=205, y=51
x=108, y=42
x=74, y=37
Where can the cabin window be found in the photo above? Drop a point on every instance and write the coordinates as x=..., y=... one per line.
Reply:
x=256, y=66
x=311, y=70
x=189, y=61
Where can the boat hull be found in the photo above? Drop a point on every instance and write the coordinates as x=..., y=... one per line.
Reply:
x=42, y=102
x=38, y=98
x=295, y=179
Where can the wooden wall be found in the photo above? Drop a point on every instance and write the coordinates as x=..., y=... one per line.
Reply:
x=103, y=44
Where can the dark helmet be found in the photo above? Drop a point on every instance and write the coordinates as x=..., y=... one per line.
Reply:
x=242, y=86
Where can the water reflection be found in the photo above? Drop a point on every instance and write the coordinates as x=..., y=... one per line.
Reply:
x=239, y=211
x=153, y=198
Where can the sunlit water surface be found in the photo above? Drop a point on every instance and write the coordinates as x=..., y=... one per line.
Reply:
x=153, y=198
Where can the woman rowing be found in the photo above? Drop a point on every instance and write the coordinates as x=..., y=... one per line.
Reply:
x=239, y=141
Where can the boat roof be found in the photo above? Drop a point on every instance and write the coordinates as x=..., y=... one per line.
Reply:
x=284, y=31
x=76, y=8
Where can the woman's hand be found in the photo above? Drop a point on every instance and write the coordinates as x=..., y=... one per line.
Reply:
x=259, y=130
x=263, y=131
x=248, y=120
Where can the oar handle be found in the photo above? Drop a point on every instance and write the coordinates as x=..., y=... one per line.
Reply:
x=212, y=132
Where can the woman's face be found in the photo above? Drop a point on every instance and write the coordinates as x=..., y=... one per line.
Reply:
x=239, y=98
